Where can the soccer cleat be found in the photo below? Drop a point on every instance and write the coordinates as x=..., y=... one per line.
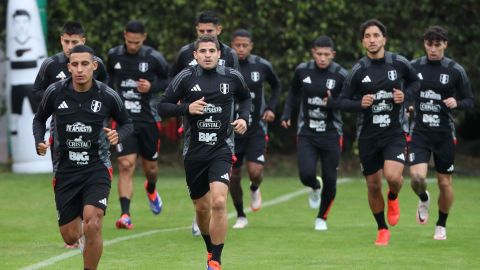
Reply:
x=314, y=198
x=124, y=222
x=155, y=201
x=74, y=246
x=320, y=224
x=195, y=229
x=81, y=243
x=214, y=265
x=241, y=223
x=383, y=237
x=440, y=233
x=393, y=213
x=256, y=197
x=422, y=210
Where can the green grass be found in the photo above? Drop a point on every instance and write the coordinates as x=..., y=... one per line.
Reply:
x=280, y=236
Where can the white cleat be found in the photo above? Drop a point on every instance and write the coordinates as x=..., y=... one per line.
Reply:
x=195, y=230
x=241, y=223
x=422, y=210
x=81, y=243
x=440, y=233
x=256, y=198
x=320, y=224
x=314, y=198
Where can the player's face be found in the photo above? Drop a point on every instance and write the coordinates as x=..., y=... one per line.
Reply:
x=323, y=56
x=374, y=41
x=82, y=65
x=134, y=41
x=435, y=49
x=208, y=29
x=207, y=55
x=242, y=46
x=70, y=41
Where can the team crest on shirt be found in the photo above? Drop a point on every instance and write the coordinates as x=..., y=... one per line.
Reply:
x=330, y=84
x=255, y=76
x=143, y=66
x=444, y=78
x=221, y=62
x=392, y=75
x=224, y=88
x=96, y=105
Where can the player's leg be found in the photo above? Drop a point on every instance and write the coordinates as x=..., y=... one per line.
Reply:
x=127, y=159
x=149, y=147
x=329, y=159
x=256, y=153
x=236, y=190
x=307, y=157
x=92, y=226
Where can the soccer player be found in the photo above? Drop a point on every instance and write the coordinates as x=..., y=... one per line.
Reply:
x=208, y=91
x=445, y=88
x=138, y=72
x=81, y=106
x=319, y=127
x=55, y=68
x=207, y=22
x=252, y=144
x=376, y=87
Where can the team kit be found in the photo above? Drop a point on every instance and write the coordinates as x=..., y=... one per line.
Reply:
x=405, y=115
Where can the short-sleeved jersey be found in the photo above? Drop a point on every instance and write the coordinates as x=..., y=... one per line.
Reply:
x=55, y=68
x=439, y=80
x=209, y=134
x=256, y=71
x=379, y=77
x=80, y=141
x=125, y=69
x=311, y=84
x=228, y=58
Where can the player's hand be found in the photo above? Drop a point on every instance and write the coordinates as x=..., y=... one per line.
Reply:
x=398, y=96
x=450, y=102
x=268, y=116
x=325, y=99
x=286, y=123
x=143, y=86
x=112, y=135
x=42, y=148
x=239, y=126
x=196, y=107
x=367, y=100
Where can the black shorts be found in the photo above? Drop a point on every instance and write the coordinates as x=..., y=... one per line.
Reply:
x=442, y=145
x=374, y=151
x=145, y=140
x=200, y=173
x=253, y=148
x=74, y=190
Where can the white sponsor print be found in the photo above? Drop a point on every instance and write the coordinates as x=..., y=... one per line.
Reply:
x=430, y=94
x=316, y=101
x=383, y=120
x=366, y=79
x=78, y=143
x=319, y=126
x=61, y=75
x=79, y=127
x=431, y=120
x=317, y=114
x=382, y=107
x=129, y=83
x=209, y=123
x=212, y=109
x=96, y=106
x=307, y=80
x=382, y=94
x=209, y=138
x=430, y=107
x=133, y=106
x=81, y=158
x=131, y=94
x=63, y=105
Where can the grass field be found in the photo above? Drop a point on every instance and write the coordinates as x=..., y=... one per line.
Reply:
x=280, y=236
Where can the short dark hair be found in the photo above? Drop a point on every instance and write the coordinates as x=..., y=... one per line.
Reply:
x=82, y=49
x=21, y=12
x=373, y=22
x=242, y=33
x=135, y=26
x=207, y=16
x=324, y=41
x=435, y=33
x=73, y=28
x=206, y=38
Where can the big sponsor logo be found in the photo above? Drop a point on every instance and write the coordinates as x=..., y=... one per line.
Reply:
x=128, y=83
x=131, y=94
x=382, y=107
x=208, y=138
x=319, y=126
x=78, y=143
x=209, y=123
x=430, y=107
x=382, y=94
x=430, y=94
x=317, y=114
x=133, y=106
x=79, y=127
x=383, y=120
x=316, y=101
x=212, y=109
x=80, y=158
x=431, y=120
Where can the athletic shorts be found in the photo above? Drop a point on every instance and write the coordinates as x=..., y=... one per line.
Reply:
x=200, y=173
x=253, y=148
x=374, y=151
x=442, y=145
x=74, y=190
x=145, y=141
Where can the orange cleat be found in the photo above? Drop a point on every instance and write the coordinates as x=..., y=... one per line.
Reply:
x=124, y=222
x=214, y=265
x=393, y=213
x=383, y=236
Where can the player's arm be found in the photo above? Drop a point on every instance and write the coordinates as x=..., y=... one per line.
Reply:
x=42, y=81
x=349, y=98
x=101, y=73
x=333, y=95
x=160, y=81
x=168, y=105
x=110, y=68
x=242, y=94
x=121, y=117
x=45, y=110
x=275, y=86
x=233, y=60
x=292, y=99
x=464, y=93
x=412, y=82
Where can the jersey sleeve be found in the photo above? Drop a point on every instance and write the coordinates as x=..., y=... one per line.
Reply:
x=45, y=110
x=349, y=98
x=160, y=82
x=120, y=115
x=168, y=105
x=412, y=83
x=293, y=96
x=42, y=81
x=243, y=96
x=275, y=85
x=465, y=99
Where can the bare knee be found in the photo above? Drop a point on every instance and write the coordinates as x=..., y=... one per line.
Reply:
x=219, y=203
x=92, y=225
x=125, y=164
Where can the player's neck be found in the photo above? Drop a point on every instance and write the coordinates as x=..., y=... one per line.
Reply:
x=82, y=87
x=377, y=55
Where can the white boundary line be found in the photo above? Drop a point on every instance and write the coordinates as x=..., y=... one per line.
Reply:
x=69, y=254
